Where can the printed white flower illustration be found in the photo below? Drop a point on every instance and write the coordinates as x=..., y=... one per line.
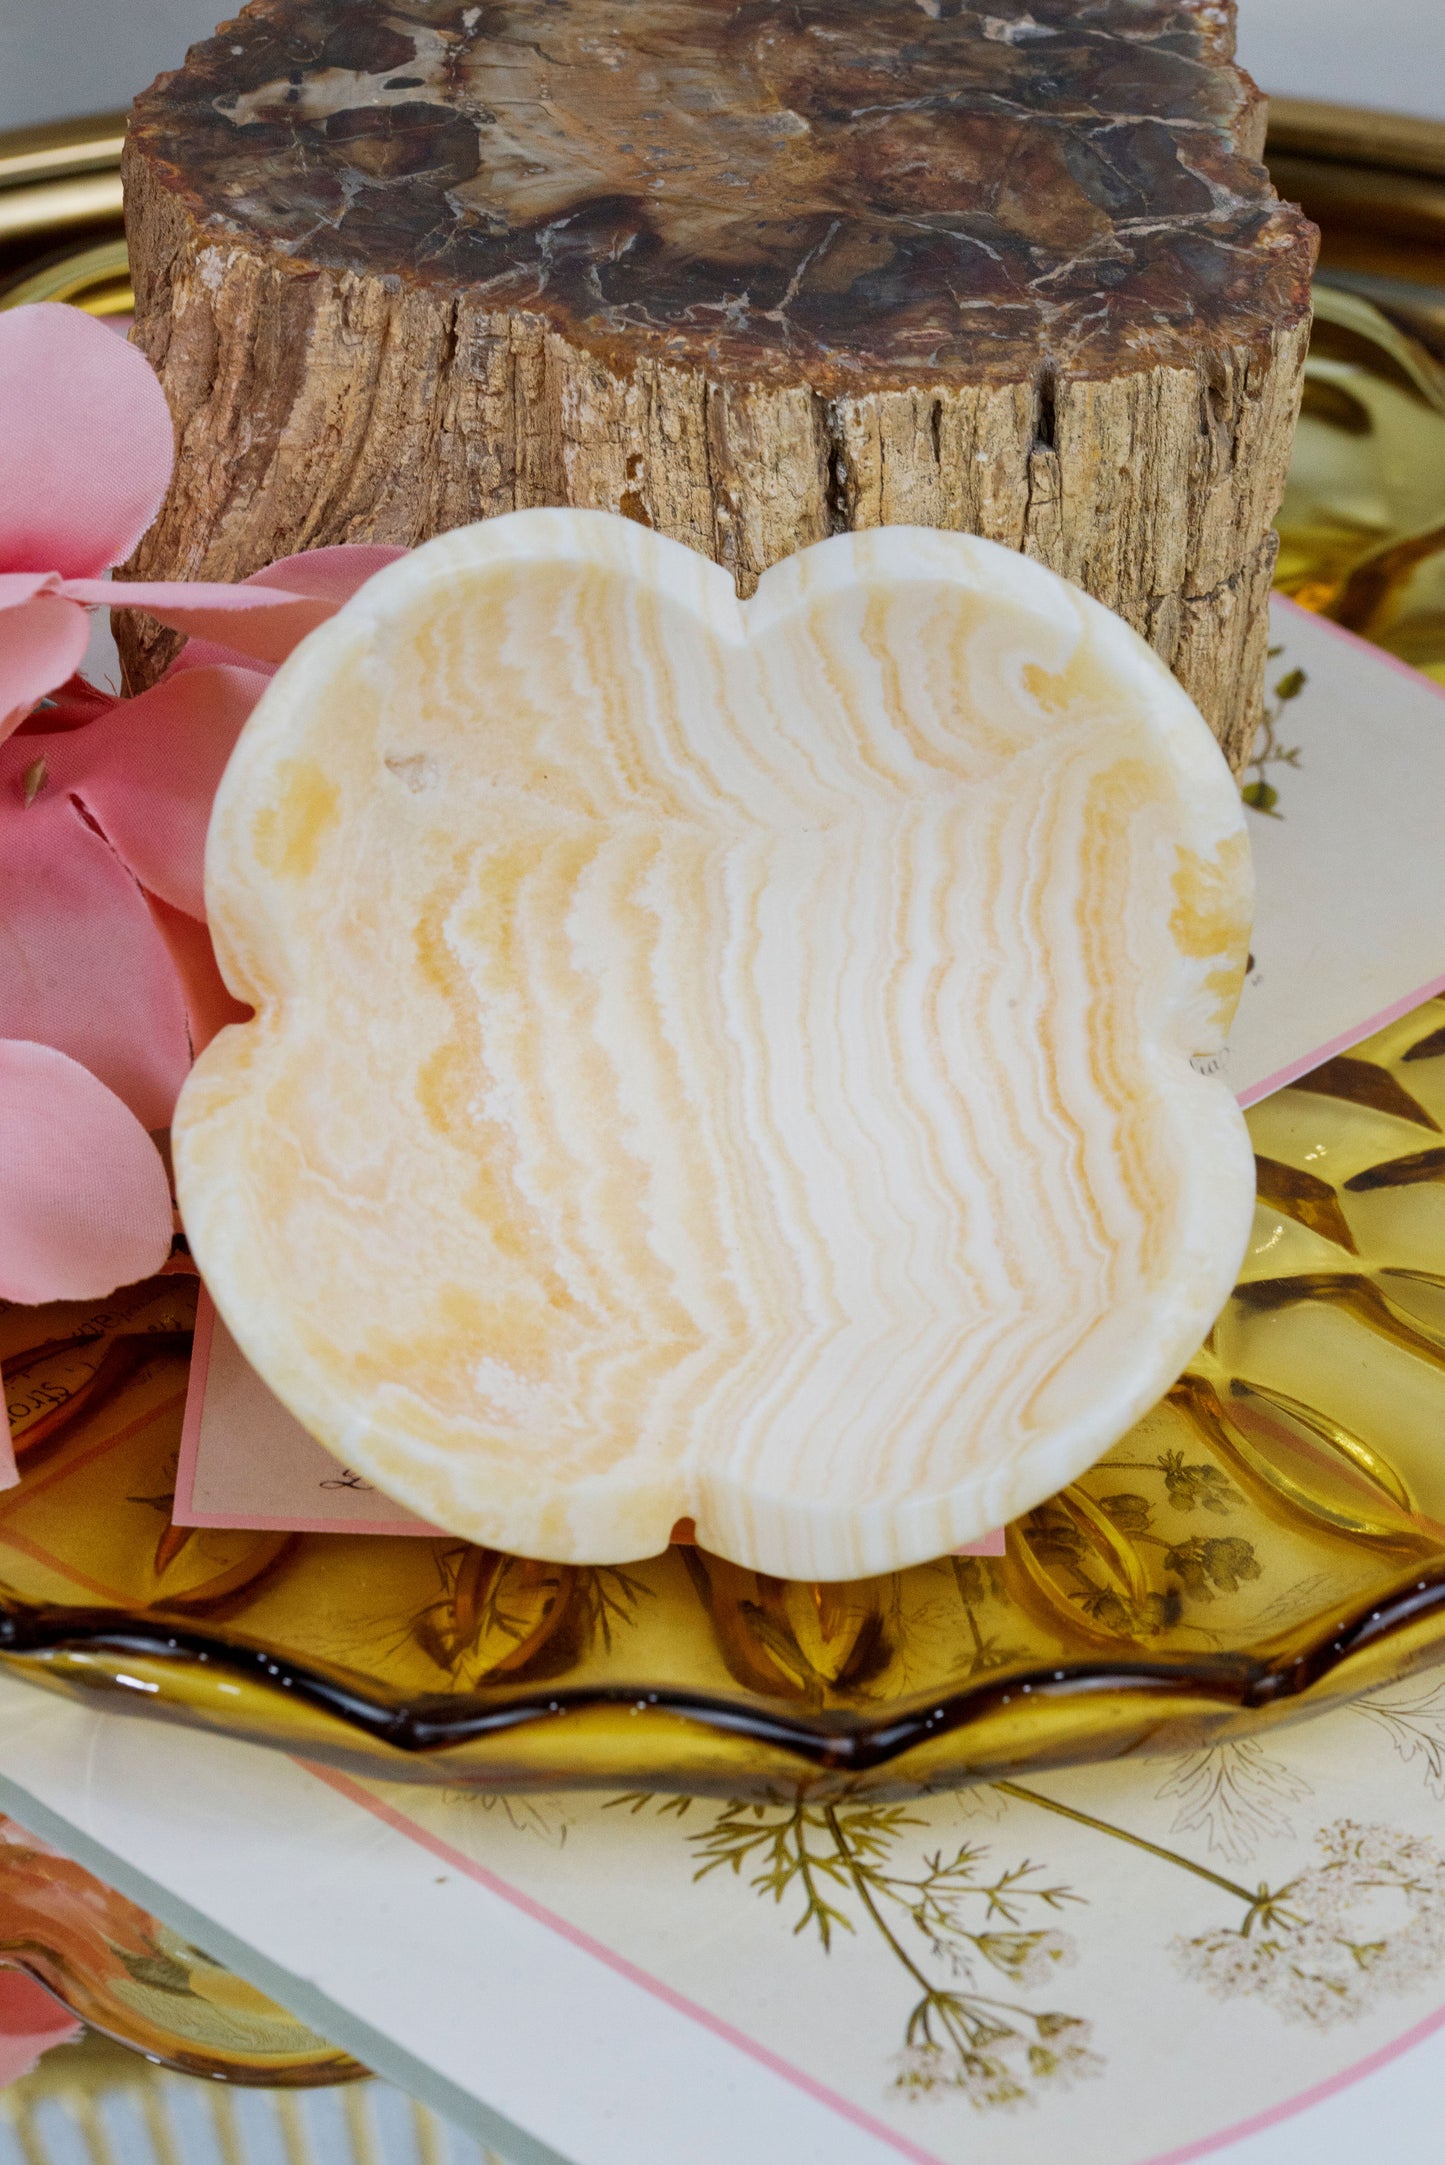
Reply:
x=967, y=2035
x=1369, y=1920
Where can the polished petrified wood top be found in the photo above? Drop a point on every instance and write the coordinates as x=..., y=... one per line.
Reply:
x=836, y=191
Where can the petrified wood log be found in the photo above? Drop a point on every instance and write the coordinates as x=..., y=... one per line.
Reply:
x=748, y=273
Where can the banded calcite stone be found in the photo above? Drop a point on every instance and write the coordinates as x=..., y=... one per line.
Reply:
x=748, y=274
x=718, y=1059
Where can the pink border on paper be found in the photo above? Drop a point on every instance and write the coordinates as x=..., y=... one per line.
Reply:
x=1330, y=2087
x=540, y=1914
x=1365, y=646
x=184, y=1512
x=1355, y=1035
x=195, y=1400
x=399, y=1822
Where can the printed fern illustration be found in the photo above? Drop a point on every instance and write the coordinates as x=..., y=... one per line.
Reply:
x=1202, y=1565
x=483, y=1600
x=609, y=1598
x=1415, y=1725
x=1317, y=1950
x=544, y=1818
x=977, y=1586
x=1236, y=1794
x=491, y=1610
x=971, y=1936
x=1367, y=1921
x=1260, y=794
x=975, y=1937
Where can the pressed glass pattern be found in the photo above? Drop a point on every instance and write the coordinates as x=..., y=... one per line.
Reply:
x=1362, y=537
x=1270, y=1537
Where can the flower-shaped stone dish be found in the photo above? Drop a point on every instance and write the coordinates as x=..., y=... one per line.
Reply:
x=107, y=982
x=720, y=1061
x=1270, y=1536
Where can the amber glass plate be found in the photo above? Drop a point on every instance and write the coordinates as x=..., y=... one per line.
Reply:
x=1362, y=525
x=1270, y=1538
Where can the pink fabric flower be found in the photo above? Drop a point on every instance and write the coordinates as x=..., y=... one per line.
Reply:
x=108, y=985
x=85, y=1193
x=85, y=459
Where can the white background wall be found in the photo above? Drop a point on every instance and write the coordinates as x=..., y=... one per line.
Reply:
x=59, y=57
x=85, y=56
x=1385, y=53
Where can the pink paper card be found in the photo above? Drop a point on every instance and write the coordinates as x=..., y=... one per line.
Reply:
x=245, y=1461
x=9, y=1472
x=1349, y=927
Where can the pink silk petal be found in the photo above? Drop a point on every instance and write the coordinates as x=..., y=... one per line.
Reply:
x=209, y=654
x=332, y=575
x=147, y=773
x=86, y=447
x=41, y=643
x=85, y=1205
x=18, y=586
x=82, y=966
x=71, y=705
x=329, y=574
x=209, y=1007
x=261, y=622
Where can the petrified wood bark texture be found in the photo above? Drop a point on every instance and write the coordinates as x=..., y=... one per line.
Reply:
x=747, y=273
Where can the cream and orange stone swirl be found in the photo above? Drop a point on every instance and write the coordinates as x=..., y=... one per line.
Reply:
x=719, y=1059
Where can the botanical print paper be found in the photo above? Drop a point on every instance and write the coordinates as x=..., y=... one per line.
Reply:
x=1350, y=918
x=1107, y=1964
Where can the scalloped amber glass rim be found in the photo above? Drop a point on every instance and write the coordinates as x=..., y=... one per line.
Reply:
x=834, y=1741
